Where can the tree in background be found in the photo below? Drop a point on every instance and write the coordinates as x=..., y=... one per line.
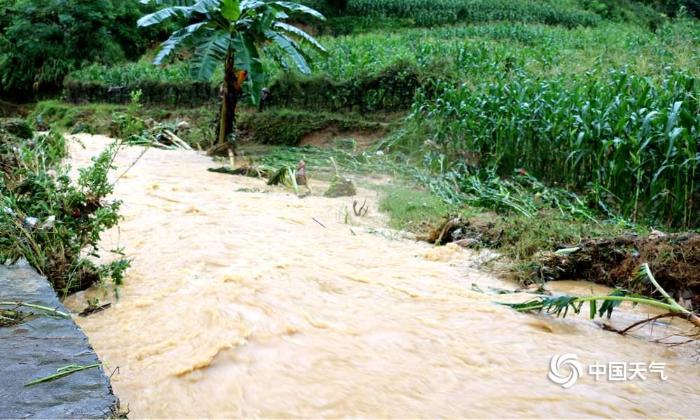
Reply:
x=230, y=32
x=340, y=4
x=43, y=40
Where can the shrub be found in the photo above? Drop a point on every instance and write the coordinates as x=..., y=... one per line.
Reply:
x=43, y=40
x=50, y=221
x=390, y=89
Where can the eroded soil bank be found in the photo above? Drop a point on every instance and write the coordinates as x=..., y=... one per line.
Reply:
x=239, y=303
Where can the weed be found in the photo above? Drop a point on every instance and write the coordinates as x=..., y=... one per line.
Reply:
x=52, y=222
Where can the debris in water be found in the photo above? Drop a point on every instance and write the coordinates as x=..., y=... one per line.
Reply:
x=341, y=187
x=9, y=317
x=286, y=176
x=322, y=225
x=93, y=309
x=362, y=211
x=301, y=174
x=255, y=171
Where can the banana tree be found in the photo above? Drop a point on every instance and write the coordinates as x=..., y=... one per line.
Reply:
x=232, y=32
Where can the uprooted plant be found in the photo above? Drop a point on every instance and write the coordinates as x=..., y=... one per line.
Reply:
x=603, y=305
x=51, y=221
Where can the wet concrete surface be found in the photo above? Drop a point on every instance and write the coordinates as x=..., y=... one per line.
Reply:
x=40, y=345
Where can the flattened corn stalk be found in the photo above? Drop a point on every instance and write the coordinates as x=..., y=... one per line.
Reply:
x=45, y=309
x=560, y=305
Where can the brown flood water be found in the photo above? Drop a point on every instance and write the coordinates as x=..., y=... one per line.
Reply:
x=239, y=304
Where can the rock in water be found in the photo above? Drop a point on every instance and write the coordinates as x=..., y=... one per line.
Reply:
x=341, y=187
x=301, y=173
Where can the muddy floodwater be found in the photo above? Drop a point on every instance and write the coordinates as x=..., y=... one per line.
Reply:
x=240, y=304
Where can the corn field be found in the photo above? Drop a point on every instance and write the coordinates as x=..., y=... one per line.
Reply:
x=609, y=110
x=632, y=143
x=461, y=53
x=439, y=12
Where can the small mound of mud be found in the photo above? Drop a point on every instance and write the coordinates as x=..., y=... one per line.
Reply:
x=674, y=259
x=478, y=231
x=341, y=187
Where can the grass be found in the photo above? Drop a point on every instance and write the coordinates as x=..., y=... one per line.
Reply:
x=62, y=372
x=487, y=219
x=413, y=209
x=275, y=127
x=288, y=127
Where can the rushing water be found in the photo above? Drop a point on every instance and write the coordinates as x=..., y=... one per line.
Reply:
x=239, y=303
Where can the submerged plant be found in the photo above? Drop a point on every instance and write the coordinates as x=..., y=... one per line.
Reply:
x=603, y=305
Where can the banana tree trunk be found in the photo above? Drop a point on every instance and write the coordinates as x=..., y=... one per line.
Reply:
x=229, y=100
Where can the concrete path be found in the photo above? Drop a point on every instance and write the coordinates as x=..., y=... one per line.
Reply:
x=37, y=347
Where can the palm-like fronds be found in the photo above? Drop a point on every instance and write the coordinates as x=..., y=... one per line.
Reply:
x=220, y=27
x=604, y=305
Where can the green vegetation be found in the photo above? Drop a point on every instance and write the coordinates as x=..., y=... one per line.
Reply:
x=62, y=372
x=563, y=12
x=121, y=121
x=414, y=210
x=287, y=127
x=381, y=72
x=230, y=32
x=43, y=40
x=635, y=157
x=53, y=223
x=536, y=123
x=440, y=12
x=275, y=127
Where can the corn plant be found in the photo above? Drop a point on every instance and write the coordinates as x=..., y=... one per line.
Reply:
x=630, y=141
x=436, y=12
x=605, y=305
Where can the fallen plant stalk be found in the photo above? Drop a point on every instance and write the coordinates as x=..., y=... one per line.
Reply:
x=560, y=305
x=46, y=309
x=61, y=372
